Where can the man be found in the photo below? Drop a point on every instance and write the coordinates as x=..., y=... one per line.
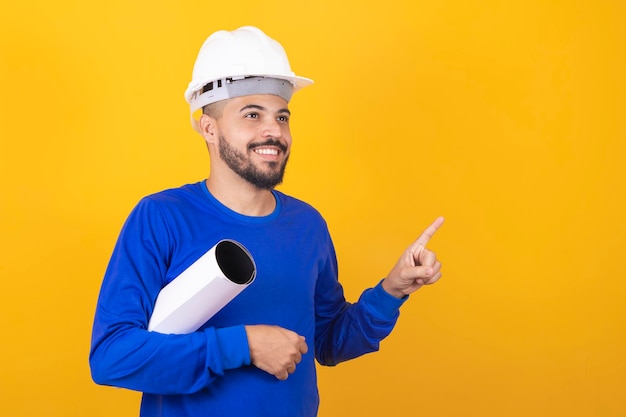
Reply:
x=256, y=356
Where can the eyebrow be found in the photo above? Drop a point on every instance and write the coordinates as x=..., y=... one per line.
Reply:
x=261, y=108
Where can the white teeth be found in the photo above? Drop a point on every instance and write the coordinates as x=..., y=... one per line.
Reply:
x=265, y=151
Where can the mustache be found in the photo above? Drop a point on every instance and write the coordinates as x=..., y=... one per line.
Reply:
x=269, y=142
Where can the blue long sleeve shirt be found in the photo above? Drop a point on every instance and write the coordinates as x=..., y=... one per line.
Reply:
x=208, y=372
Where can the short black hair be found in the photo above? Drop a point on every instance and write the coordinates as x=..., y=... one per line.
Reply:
x=214, y=110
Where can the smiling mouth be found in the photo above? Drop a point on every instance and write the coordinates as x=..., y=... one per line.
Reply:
x=270, y=147
x=266, y=151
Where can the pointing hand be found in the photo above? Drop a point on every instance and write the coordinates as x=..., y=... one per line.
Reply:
x=416, y=267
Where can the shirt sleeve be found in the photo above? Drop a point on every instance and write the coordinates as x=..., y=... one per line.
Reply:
x=347, y=330
x=123, y=352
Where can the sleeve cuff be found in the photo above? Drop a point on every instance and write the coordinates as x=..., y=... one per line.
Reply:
x=383, y=303
x=233, y=345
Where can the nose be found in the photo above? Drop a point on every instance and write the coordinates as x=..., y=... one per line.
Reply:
x=272, y=128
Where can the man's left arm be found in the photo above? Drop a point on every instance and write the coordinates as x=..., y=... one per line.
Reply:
x=345, y=331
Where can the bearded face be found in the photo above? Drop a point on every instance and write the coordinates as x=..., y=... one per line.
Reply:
x=266, y=175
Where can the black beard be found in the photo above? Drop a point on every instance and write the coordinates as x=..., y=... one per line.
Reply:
x=242, y=166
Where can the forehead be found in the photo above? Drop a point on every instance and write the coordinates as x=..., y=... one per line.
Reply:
x=263, y=102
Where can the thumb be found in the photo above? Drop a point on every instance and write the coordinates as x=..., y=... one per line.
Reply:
x=303, y=346
x=412, y=273
x=421, y=273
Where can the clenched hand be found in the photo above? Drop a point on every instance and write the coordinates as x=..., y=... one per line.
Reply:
x=275, y=350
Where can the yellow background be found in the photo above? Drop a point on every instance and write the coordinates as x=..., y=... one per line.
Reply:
x=506, y=117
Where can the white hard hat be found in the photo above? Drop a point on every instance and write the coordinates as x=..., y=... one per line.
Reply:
x=241, y=62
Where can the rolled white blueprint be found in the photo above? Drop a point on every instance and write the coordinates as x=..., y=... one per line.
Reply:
x=203, y=289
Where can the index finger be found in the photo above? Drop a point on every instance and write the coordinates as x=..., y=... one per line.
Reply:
x=429, y=232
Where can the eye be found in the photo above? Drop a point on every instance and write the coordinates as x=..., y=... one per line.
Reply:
x=252, y=115
x=283, y=118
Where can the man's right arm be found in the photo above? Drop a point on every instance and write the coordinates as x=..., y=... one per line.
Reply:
x=123, y=352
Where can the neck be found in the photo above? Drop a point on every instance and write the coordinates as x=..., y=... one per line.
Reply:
x=242, y=197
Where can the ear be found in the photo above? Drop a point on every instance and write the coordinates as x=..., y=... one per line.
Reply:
x=208, y=128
